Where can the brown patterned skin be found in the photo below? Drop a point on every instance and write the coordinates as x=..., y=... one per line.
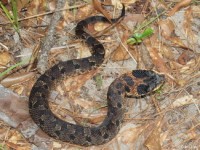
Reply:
x=137, y=83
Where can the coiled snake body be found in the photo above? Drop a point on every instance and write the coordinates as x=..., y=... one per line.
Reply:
x=137, y=83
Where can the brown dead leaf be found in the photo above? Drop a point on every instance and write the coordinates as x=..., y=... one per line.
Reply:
x=92, y=118
x=179, y=43
x=130, y=135
x=37, y=7
x=57, y=145
x=167, y=52
x=85, y=11
x=183, y=58
x=174, y=65
x=100, y=26
x=191, y=66
x=83, y=111
x=85, y=104
x=19, y=146
x=17, y=78
x=167, y=27
x=97, y=119
x=120, y=53
x=192, y=134
x=138, y=7
x=129, y=1
x=99, y=8
x=153, y=141
x=195, y=10
x=187, y=71
x=67, y=16
x=21, y=4
x=185, y=100
x=3, y=131
x=178, y=6
x=14, y=137
x=75, y=83
x=156, y=58
x=5, y=58
x=107, y=2
x=189, y=17
x=17, y=141
x=187, y=24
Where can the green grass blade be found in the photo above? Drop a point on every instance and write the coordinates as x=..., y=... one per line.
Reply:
x=15, y=14
x=13, y=67
x=9, y=16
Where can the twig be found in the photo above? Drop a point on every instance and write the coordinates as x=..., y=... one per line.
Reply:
x=49, y=39
x=46, y=13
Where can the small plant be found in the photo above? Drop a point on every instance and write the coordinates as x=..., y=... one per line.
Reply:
x=2, y=74
x=138, y=37
x=13, y=17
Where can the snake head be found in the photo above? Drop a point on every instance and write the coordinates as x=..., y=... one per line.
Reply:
x=150, y=81
x=142, y=82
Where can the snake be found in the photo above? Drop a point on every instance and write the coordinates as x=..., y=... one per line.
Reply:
x=135, y=83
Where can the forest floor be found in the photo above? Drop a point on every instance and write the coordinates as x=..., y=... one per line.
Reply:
x=166, y=39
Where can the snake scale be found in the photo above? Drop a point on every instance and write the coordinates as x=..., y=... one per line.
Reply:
x=134, y=83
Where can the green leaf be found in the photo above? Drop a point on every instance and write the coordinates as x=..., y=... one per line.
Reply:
x=138, y=37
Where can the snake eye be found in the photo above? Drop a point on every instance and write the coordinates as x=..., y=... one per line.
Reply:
x=142, y=89
x=154, y=82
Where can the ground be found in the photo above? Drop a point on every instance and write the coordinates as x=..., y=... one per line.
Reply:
x=168, y=119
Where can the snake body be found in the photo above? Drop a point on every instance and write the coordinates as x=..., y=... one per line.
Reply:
x=136, y=83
